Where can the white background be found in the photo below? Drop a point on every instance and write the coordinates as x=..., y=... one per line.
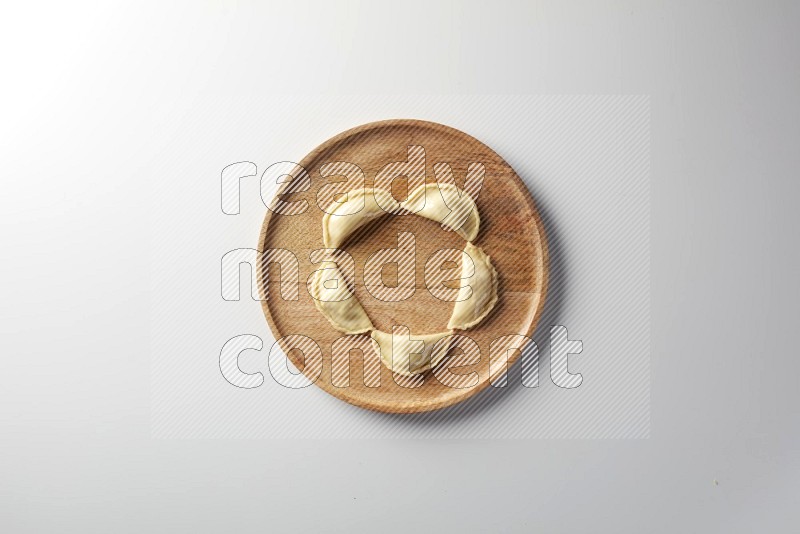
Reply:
x=100, y=103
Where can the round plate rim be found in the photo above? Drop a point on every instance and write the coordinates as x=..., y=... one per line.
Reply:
x=340, y=393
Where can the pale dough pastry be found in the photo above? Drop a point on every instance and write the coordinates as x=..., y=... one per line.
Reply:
x=469, y=310
x=336, y=302
x=445, y=204
x=337, y=228
x=398, y=356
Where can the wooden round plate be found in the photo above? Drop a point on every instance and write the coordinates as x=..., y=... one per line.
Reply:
x=511, y=233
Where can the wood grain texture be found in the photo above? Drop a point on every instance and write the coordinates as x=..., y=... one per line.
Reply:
x=511, y=233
